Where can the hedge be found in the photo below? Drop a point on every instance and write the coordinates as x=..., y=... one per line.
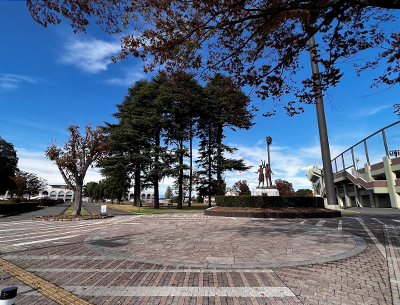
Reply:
x=12, y=207
x=269, y=201
x=15, y=205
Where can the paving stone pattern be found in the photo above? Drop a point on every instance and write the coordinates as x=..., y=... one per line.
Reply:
x=194, y=259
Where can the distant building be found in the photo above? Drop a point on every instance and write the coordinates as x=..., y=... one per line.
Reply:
x=60, y=192
x=230, y=192
x=146, y=196
x=53, y=192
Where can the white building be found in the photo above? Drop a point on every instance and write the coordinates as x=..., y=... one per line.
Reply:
x=60, y=192
x=53, y=192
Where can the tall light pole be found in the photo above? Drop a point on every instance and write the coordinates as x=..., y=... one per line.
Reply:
x=269, y=142
x=323, y=131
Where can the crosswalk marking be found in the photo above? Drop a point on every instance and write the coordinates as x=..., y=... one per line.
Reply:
x=36, y=232
x=161, y=291
x=374, y=239
x=45, y=240
x=377, y=220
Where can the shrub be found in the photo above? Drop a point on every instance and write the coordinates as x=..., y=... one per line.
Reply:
x=15, y=200
x=269, y=201
x=15, y=207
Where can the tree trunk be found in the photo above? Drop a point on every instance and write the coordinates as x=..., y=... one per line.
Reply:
x=209, y=167
x=219, y=143
x=190, y=169
x=180, y=178
x=77, y=198
x=156, y=203
x=137, y=185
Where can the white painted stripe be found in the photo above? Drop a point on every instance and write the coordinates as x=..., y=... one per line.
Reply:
x=165, y=291
x=63, y=232
x=304, y=221
x=377, y=220
x=44, y=235
x=57, y=257
x=63, y=226
x=320, y=223
x=23, y=290
x=396, y=220
x=340, y=225
x=13, y=223
x=393, y=267
x=60, y=225
x=44, y=240
x=374, y=239
x=22, y=223
x=47, y=270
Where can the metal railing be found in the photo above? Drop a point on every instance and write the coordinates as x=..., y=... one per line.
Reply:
x=353, y=164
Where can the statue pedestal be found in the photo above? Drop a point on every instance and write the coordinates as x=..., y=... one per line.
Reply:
x=270, y=191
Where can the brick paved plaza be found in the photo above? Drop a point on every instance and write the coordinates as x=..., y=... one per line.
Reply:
x=190, y=258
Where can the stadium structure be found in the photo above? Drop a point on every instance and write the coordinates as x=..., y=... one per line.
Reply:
x=377, y=182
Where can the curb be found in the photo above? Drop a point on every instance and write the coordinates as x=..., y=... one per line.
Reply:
x=328, y=214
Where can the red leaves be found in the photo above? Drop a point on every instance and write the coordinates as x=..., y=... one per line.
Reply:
x=79, y=152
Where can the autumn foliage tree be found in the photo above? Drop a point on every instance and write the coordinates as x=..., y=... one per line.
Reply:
x=241, y=188
x=258, y=42
x=284, y=187
x=76, y=155
x=304, y=192
x=27, y=183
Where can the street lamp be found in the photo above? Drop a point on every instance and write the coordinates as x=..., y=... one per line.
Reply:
x=269, y=142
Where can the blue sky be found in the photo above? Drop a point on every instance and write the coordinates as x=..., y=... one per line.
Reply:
x=51, y=77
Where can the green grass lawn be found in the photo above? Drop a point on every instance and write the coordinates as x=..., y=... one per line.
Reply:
x=69, y=211
x=348, y=212
x=150, y=210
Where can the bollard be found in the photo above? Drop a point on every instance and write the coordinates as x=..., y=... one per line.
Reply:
x=8, y=295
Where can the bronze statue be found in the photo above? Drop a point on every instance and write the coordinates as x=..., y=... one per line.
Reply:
x=268, y=173
x=260, y=175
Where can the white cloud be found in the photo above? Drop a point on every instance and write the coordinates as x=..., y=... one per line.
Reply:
x=360, y=113
x=34, y=161
x=285, y=164
x=90, y=55
x=13, y=81
x=128, y=80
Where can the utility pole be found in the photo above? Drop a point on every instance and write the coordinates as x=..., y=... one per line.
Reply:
x=323, y=131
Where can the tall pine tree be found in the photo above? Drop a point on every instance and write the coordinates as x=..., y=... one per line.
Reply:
x=225, y=106
x=135, y=139
x=181, y=97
